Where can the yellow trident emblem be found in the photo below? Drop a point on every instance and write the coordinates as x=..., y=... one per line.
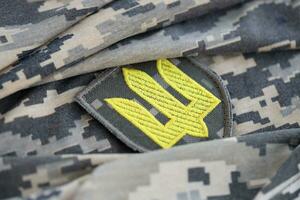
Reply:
x=184, y=119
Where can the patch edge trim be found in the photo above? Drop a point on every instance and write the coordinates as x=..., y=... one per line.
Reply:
x=228, y=124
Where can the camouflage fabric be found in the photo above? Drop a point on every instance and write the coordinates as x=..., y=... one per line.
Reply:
x=237, y=171
x=233, y=168
x=263, y=88
x=47, y=121
x=285, y=184
x=24, y=176
x=250, y=27
x=23, y=27
x=52, y=148
x=267, y=83
x=118, y=21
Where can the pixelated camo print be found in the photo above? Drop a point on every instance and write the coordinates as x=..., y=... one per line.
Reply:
x=24, y=176
x=234, y=168
x=119, y=20
x=257, y=26
x=264, y=89
x=27, y=24
x=51, y=149
x=286, y=183
x=46, y=121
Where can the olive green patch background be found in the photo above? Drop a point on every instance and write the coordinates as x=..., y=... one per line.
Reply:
x=111, y=84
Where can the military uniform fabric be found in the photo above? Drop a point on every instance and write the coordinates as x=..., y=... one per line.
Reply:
x=197, y=176
x=51, y=148
x=271, y=104
x=285, y=184
x=232, y=168
x=231, y=30
x=217, y=63
x=263, y=87
x=119, y=20
x=22, y=176
x=46, y=121
x=267, y=83
x=26, y=25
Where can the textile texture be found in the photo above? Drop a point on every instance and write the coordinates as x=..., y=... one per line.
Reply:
x=149, y=99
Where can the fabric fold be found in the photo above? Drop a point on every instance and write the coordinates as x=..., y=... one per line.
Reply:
x=227, y=31
x=119, y=20
x=233, y=168
x=210, y=67
x=286, y=183
x=22, y=177
x=26, y=25
x=46, y=121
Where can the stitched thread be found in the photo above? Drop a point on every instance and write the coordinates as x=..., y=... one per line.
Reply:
x=183, y=119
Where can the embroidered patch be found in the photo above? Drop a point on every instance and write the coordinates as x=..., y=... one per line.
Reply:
x=159, y=105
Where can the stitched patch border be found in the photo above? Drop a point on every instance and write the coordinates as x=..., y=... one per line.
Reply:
x=91, y=109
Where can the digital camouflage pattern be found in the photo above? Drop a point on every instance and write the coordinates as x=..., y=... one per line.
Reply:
x=285, y=184
x=250, y=27
x=263, y=88
x=47, y=121
x=232, y=168
x=51, y=148
x=238, y=171
x=29, y=24
x=267, y=83
x=118, y=21
x=23, y=176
